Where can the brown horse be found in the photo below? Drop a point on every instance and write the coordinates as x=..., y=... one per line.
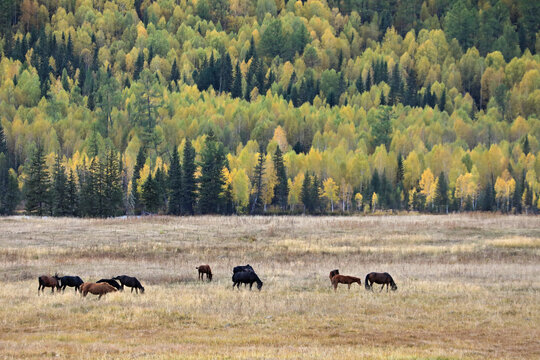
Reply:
x=344, y=279
x=48, y=281
x=96, y=289
x=333, y=273
x=379, y=278
x=204, y=269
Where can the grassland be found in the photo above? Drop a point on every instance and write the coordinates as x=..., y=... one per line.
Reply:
x=468, y=288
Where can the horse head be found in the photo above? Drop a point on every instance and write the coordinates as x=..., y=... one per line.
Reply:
x=142, y=289
x=393, y=285
x=259, y=285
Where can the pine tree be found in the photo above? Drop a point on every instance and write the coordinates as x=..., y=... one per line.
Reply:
x=400, y=171
x=252, y=52
x=212, y=179
x=149, y=195
x=37, y=184
x=112, y=185
x=141, y=159
x=315, y=194
x=3, y=142
x=256, y=204
x=411, y=94
x=189, y=183
x=441, y=194
x=305, y=194
x=175, y=74
x=526, y=146
x=281, y=190
x=236, y=91
x=161, y=181
x=139, y=65
x=59, y=199
x=175, y=184
x=360, y=85
x=72, y=195
x=9, y=190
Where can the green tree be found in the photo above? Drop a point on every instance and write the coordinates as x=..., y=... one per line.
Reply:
x=59, y=188
x=441, y=193
x=175, y=184
x=461, y=23
x=306, y=194
x=236, y=90
x=37, y=184
x=141, y=159
x=149, y=195
x=212, y=179
x=272, y=39
x=281, y=190
x=258, y=173
x=189, y=182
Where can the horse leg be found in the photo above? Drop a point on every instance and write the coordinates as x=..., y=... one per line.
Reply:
x=132, y=290
x=99, y=297
x=349, y=285
x=381, y=288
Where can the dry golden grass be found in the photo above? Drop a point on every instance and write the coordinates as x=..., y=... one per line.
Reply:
x=468, y=288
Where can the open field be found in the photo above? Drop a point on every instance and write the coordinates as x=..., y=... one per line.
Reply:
x=469, y=287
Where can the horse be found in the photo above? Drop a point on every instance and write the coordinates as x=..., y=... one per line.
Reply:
x=246, y=277
x=204, y=269
x=379, y=278
x=96, y=289
x=344, y=279
x=111, y=282
x=129, y=281
x=333, y=273
x=48, y=281
x=241, y=268
x=71, y=281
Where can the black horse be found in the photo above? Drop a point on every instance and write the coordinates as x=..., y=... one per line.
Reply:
x=71, y=281
x=241, y=268
x=129, y=281
x=246, y=277
x=379, y=278
x=111, y=282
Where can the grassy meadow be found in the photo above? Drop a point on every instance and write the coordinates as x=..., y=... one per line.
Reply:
x=468, y=288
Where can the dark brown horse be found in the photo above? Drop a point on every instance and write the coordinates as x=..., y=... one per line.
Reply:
x=333, y=273
x=344, y=279
x=48, y=281
x=204, y=269
x=97, y=289
x=379, y=278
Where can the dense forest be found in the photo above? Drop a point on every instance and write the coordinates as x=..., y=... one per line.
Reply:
x=269, y=106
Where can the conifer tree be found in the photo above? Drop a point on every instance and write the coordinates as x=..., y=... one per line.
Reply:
x=175, y=184
x=236, y=90
x=441, y=193
x=281, y=190
x=175, y=74
x=149, y=195
x=9, y=190
x=258, y=173
x=189, y=182
x=37, y=184
x=112, y=185
x=72, y=195
x=212, y=179
x=141, y=159
x=305, y=194
x=59, y=198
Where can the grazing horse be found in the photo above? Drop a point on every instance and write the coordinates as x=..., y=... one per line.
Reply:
x=96, y=289
x=129, y=281
x=48, y=281
x=111, y=282
x=204, y=269
x=344, y=279
x=71, y=281
x=241, y=268
x=333, y=273
x=379, y=278
x=246, y=277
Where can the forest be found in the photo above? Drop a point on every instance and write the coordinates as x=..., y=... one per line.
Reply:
x=270, y=106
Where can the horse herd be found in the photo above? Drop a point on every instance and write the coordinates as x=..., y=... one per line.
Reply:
x=100, y=287
x=243, y=274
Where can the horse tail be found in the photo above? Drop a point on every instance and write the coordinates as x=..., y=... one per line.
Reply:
x=366, y=283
